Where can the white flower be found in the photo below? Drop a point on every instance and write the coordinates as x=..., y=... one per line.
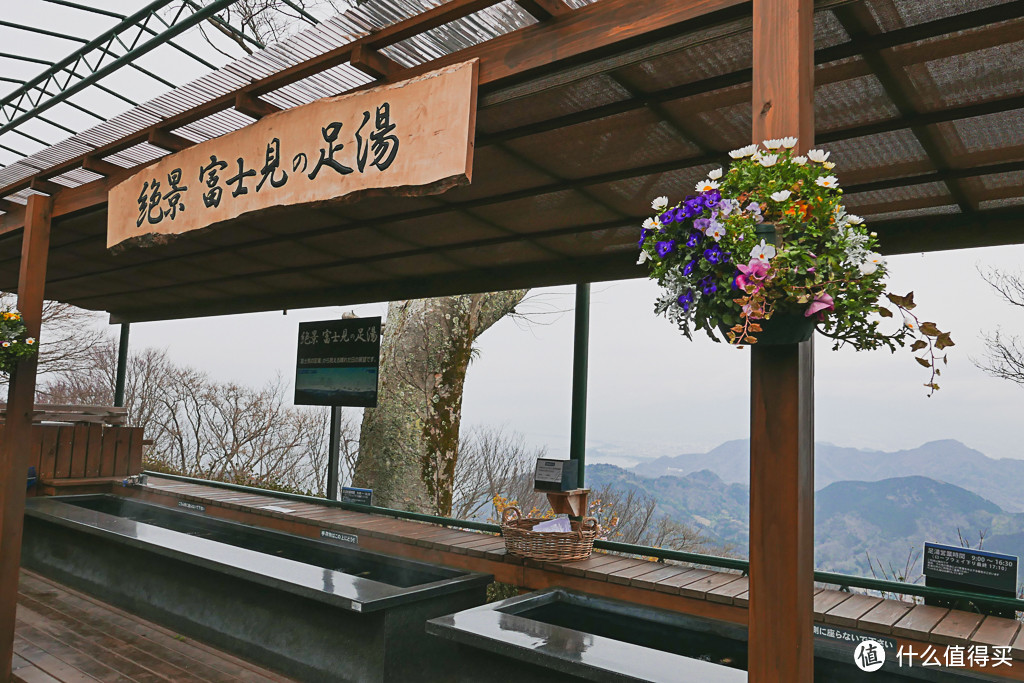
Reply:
x=769, y=160
x=773, y=144
x=763, y=252
x=651, y=224
x=789, y=143
x=715, y=231
x=715, y=174
x=799, y=161
x=828, y=165
x=908, y=322
x=854, y=220
x=644, y=258
x=660, y=203
x=818, y=155
x=873, y=262
x=781, y=196
x=743, y=152
x=706, y=185
x=827, y=181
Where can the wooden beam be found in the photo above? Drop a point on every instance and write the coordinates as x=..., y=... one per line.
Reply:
x=160, y=137
x=17, y=430
x=104, y=168
x=543, y=10
x=6, y=206
x=781, y=640
x=372, y=63
x=46, y=186
x=253, y=106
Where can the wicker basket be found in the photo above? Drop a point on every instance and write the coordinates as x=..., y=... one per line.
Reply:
x=556, y=546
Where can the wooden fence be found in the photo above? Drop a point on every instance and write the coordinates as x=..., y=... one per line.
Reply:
x=82, y=458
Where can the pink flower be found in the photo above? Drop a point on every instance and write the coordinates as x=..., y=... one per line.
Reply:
x=755, y=270
x=823, y=302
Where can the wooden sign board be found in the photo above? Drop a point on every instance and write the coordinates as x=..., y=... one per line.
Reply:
x=409, y=138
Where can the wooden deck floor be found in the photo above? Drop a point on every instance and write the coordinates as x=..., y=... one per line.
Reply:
x=63, y=636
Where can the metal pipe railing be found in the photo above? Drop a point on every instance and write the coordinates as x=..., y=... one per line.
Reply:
x=844, y=581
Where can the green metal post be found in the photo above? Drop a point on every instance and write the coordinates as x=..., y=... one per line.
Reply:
x=122, y=365
x=580, y=357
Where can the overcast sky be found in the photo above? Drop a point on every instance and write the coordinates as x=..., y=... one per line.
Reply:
x=651, y=391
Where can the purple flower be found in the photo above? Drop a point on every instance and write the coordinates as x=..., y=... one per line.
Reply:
x=702, y=224
x=708, y=286
x=667, y=217
x=711, y=198
x=686, y=300
x=727, y=206
x=665, y=248
x=688, y=268
x=693, y=206
x=755, y=209
x=694, y=240
x=644, y=234
x=713, y=254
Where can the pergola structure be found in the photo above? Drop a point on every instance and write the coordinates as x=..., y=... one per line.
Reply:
x=584, y=114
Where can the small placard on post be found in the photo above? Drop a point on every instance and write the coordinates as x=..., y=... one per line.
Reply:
x=350, y=494
x=555, y=475
x=980, y=571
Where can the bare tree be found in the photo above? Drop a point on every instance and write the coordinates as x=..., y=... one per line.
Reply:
x=494, y=463
x=67, y=340
x=1004, y=354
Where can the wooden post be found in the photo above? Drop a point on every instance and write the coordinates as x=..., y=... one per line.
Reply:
x=781, y=616
x=35, y=245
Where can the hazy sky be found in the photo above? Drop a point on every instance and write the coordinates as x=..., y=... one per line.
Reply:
x=651, y=391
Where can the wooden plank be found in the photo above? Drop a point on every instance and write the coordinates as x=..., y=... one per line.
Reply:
x=996, y=631
x=108, y=453
x=122, y=449
x=649, y=581
x=883, y=616
x=48, y=451
x=18, y=427
x=673, y=584
x=849, y=611
x=700, y=587
x=919, y=621
x=594, y=561
x=1017, y=649
x=727, y=593
x=626, y=576
x=94, y=451
x=70, y=655
x=956, y=628
x=65, y=446
x=601, y=572
x=79, y=450
x=135, y=450
x=827, y=599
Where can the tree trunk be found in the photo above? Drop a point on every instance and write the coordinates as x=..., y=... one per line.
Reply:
x=409, y=443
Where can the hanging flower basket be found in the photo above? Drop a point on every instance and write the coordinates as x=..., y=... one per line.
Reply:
x=766, y=252
x=15, y=344
x=553, y=546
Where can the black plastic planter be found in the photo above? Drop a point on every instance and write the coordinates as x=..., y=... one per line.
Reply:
x=312, y=610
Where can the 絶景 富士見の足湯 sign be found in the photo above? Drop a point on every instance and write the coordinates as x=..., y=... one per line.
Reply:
x=414, y=137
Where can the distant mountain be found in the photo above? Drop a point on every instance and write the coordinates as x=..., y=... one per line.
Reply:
x=1000, y=481
x=886, y=518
